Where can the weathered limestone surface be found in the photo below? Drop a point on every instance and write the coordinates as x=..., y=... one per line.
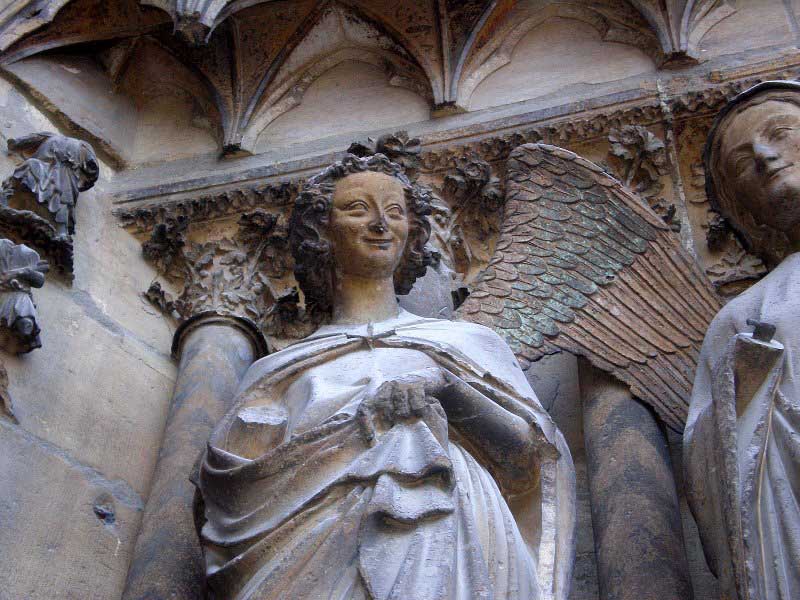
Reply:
x=53, y=505
x=90, y=405
x=555, y=380
x=704, y=584
x=100, y=410
x=635, y=509
x=164, y=109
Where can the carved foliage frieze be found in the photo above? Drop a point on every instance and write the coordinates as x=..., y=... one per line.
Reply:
x=565, y=131
x=641, y=159
x=245, y=268
x=246, y=273
x=468, y=210
x=731, y=268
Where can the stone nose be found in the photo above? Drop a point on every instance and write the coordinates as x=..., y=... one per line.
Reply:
x=378, y=225
x=765, y=155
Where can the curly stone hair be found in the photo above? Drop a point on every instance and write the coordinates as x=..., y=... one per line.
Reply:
x=312, y=252
x=766, y=242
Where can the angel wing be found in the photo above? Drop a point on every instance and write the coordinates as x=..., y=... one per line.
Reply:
x=585, y=266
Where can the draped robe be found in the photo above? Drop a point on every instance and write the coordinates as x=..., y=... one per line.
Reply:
x=298, y=503
x=741, y=444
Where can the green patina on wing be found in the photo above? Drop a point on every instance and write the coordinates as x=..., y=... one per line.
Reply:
x=583, y=265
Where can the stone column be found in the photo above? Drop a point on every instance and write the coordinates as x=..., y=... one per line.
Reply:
x=635, y=510
x=214, y=353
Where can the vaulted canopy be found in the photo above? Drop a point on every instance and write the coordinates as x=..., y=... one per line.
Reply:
x=244, y=63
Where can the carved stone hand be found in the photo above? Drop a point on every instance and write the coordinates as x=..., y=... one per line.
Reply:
x=402, y=400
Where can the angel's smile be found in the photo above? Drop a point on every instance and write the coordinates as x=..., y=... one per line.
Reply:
x=380, y=242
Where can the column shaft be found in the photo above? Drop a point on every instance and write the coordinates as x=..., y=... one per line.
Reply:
x=167, y=564
x=635, y=510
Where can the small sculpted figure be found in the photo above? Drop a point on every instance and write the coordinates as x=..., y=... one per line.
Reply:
x=60, y=168
x=386, y=456
x=20, y=270
x=741, y=446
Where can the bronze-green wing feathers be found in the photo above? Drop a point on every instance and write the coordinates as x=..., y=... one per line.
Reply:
x=585, y=266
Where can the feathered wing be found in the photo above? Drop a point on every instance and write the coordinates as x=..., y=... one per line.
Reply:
x=585, y=266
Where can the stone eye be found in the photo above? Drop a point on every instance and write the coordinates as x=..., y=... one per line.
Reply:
x=357, y=206
x=395, y=210
x=780, y=132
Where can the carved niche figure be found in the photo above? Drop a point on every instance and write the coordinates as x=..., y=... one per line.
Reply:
x=385, y=456
x=60, y=168
x=20, y=270
x=741, y=448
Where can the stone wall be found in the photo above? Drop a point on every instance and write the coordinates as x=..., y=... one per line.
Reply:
x=92, y=403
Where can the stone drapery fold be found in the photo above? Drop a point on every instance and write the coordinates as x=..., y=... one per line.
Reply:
x=303, y=509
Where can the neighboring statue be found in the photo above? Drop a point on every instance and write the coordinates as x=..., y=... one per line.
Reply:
x=59, y=169
x=742, y=448
x=386, y=456
x=20, y=270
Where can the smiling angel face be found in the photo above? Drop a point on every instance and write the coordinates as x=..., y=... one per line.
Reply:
x=760, y=162
x=368, y=227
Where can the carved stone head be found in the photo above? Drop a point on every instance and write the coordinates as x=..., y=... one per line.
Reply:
x=361, y=216
x=752, y=161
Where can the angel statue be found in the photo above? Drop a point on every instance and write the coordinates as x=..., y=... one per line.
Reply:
x=741, y=448
x=386, y=456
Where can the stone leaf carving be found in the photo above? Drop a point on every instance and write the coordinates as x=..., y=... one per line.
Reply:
x=20, y=270
x=398, y=147
x=643, y=162
x=236, y=275
x=734, y=269
x=37, y=202
x=466, y=216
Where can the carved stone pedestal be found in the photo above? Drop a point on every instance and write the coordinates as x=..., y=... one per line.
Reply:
x=635, y=512
x=214, y=352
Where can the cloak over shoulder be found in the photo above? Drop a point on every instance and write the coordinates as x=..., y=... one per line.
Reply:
x=275, y=484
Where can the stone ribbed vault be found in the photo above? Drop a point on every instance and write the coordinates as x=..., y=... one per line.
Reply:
x=248, y=61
